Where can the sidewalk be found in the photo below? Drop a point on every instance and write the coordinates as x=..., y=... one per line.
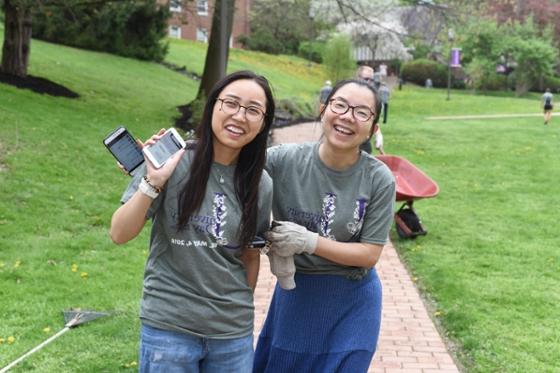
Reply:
x=409, y=341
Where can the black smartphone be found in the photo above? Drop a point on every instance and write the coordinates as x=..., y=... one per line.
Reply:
x=125, y=149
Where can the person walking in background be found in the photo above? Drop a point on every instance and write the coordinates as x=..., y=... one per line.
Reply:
x=547, y=105
x=366, y=73
x=384, y=94
x=325, y=91
x=206, y=206
x=333, y=208
x=377, y=79
x=379, y=140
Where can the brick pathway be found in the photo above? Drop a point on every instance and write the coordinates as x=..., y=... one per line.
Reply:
x=409, y=341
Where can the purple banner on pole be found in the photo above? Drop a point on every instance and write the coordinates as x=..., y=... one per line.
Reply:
x=455, y=60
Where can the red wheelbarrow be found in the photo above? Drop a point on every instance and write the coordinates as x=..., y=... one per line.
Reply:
x=412, y=184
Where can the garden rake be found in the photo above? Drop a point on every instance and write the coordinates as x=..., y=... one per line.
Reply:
x=72, y=318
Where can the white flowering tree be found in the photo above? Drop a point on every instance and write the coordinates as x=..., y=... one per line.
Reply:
x=373, y=25
x=382, y=41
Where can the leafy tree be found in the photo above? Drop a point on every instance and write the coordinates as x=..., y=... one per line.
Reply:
x=486, y=43
x=18, y=22
x=131, y=28
x=545, y=13
x=280, y=26
x=534, y=54
x=338, y=57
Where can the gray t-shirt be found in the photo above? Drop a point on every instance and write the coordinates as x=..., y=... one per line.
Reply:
x=194, y=281
x=354, y=205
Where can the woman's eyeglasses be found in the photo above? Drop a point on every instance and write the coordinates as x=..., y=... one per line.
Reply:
x=361, y=113
x=232, y=107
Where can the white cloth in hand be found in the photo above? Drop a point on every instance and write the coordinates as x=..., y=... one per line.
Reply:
x=289, y=238
x=284, y=268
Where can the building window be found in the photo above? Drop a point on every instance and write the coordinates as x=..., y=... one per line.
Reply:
x=175, y=5
x=175, y=31
x=202, y=7
x=202, y=35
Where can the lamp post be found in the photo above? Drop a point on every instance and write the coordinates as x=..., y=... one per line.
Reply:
x=450, y=37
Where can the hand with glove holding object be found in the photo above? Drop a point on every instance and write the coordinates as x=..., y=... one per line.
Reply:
x=289, y=238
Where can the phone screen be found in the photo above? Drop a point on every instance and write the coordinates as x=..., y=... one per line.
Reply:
x=127, y=152
x=165, y=147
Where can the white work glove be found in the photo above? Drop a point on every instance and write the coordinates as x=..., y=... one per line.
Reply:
x=284, y=269
x=289, y=238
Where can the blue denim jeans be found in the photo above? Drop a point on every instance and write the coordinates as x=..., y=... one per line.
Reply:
x=163, y=351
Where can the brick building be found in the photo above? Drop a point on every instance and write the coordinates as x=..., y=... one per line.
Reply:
x=193, y=20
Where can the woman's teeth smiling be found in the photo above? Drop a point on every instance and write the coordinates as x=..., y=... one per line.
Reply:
x=343, y=130
x=235, y=130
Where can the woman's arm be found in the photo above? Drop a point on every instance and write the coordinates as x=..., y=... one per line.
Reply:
x=357, y=254
x=251, y=261
x=129, y=219
x=289, y=238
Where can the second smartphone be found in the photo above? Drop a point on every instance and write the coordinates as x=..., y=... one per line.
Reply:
x=170, y=143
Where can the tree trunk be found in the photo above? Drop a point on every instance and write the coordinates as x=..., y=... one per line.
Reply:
x=522, y=86
x=17, y=39
x=218, y=47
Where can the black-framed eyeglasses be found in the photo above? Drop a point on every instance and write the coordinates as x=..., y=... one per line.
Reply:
x=232, y=107
x=361, y=113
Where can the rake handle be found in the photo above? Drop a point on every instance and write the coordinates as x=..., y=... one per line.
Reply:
x=15, y=362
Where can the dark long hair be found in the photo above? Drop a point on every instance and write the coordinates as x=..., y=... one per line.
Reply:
x=249, y=164
x=361, y=83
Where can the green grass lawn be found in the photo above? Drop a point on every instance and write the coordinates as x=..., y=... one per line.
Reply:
x=490, y=260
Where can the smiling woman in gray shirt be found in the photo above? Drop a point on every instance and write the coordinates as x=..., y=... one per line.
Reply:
x=206, y=205
x=333, y=207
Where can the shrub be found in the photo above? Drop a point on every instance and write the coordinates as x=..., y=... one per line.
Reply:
x=338, y=57
x=128, y=28
x=263, y=42
x=312, y=50
x=552, y=82
x=417, y=71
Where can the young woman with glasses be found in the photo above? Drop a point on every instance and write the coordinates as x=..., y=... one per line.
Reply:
x=333, y=206
x=206, y=206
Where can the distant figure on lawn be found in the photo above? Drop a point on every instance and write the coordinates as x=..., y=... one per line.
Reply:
x=547, y=105
x=429, y=83
x=384, y=94
x=206, y=205
x=325, y=92
x=366, y=73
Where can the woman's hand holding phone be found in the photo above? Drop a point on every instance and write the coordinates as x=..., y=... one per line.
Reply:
x=159, y=176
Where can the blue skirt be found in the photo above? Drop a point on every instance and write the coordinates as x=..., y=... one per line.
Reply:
x=328, y=323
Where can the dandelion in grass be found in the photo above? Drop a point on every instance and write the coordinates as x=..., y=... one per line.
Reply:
x=47, y=330
x=74, y=268
x=437, y=313
x=17, y=263
x=84, y=275
x=11, y=339
x=132, y=364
